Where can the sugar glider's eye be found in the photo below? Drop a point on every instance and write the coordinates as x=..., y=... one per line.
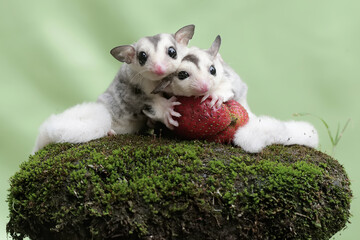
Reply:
x=142, y=56
x=212, y=70
x=183, y=75
x=172, y=52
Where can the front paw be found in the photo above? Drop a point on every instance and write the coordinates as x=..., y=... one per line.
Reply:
x=216, y=100
x=163, y=110
x=149, y=112
x=170, y=113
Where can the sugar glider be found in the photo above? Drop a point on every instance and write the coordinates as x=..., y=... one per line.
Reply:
x=204, y=73
x=148, y=60
x=122, y=107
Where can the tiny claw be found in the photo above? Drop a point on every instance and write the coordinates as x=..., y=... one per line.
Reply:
x=176, y=103
x=173, y=122
x=170, y=122
x=173, y=101
x=175, y=114
x=169, y=112
x=218, y=104
x=206, y=96
x=213, y=101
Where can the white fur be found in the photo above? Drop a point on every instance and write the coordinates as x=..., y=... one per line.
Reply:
x=164, y=111
x=157, y=57
x=77, y=124
x=259, y=132
x=125, y=105
x=263, y=131
x=119, y=109
x=199, y=78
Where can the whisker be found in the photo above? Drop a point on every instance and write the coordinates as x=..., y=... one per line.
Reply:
x=137, y=74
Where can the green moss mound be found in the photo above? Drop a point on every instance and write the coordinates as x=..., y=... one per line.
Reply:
x=138, y=187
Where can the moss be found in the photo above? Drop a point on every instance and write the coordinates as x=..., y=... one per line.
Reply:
x=138, y=187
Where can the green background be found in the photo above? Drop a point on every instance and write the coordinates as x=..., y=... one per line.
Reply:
x=295, y=56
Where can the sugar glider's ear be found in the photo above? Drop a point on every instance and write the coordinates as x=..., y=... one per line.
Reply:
x=125, y=53
x=184, y=34
x=162, y=85
x=214, y=49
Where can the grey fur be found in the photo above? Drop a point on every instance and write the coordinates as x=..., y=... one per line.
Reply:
x=214, y=49
x=136, y=89
x=240, y=88
x=122, y=107
x=124, y=99
x=192, y=58
x=149, y=109
x=124, y=53
x=128, y=96
x=154, y=40
x=188, y=31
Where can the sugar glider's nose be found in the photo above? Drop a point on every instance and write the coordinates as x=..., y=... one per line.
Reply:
x=203, y=87
x=159, y=69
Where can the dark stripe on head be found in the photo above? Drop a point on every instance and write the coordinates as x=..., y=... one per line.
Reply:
x=154, y=40
x=192, y=58
x=173, y=41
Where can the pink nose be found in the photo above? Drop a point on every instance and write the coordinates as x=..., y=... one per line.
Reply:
x=159, y=70
x=204, y=88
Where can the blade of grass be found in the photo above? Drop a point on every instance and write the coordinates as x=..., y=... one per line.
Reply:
x=334, y=141
x=343, y=130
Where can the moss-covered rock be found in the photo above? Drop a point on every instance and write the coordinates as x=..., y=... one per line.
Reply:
x=137, y=187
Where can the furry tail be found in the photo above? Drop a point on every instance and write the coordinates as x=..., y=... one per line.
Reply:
x=263, y=131
x=81, y=123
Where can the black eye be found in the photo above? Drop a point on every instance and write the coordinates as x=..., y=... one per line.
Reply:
x=212, y=70
x=172, y=52
x=142, y=56
x=182, y=75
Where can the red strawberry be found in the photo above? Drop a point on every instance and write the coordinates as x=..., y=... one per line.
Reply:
x=238, y=112
x=199, y=121
x=239, y=117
